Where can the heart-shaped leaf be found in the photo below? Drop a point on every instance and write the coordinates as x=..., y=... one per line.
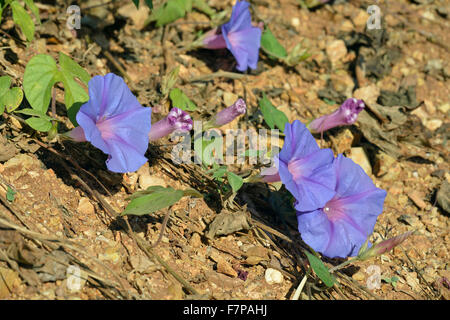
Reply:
x=23, y=20
x=153, y=199
x=272, y=116
x=320, y=270
x=180, y=100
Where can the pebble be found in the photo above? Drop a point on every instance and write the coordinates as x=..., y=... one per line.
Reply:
x=273, y=276
x=444, y=108
x=417, y=199
x=359, y=156
x=386, y=167
x=85, y=207
x=369, y=94
x=359, y=276
x=225, y=267
x=195, y=241
x=336, y=50
x=295, y=22
x=360, y=20
x=229, y=98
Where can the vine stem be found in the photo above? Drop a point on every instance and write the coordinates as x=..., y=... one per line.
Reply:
x=343, y=264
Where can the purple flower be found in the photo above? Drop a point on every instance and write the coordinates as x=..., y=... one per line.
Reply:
x=177, y=119
x=239, y=36
x=383, y=246
x=342, y=225
x=305, y=169
x=114, y=121
x=345, y=115
x=227, y=115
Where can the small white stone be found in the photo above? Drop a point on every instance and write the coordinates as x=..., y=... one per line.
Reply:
x=295, y=22
x=273, y=276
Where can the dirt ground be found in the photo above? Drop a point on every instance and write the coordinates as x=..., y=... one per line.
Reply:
x=65, y=200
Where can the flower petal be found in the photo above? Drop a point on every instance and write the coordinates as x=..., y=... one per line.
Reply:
x=240, y=17
x=313, y=185
x=298, y=142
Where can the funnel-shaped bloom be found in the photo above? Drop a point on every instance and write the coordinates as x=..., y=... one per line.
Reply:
x=342, y=225
x=239, y=36
x=345, y=115
x=383, y=246
x=177, y=119
x=227, y=115
x=114, y=121
x=305, y=169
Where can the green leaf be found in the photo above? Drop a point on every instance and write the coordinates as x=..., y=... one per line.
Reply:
x=10, y=193
x=149, y=3
x=155, y=198
x=171, y=11
x=39, y=124
x=192, y=193
x=202, y=6
x=12, y=99
x=272, y=116
x=74, y=94
x=9, y=98
x=5, y=83
x=271, y=45
x=23, y=20
x=34, y=9
x=32, y=112
x=180, y=100
x=219, y=173
x=169, y=80
x=235, y=181
x=320, y=270
x=41, y=73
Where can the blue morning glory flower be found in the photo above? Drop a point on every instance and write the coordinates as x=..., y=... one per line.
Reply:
x=114, y=121
x=239, y=36
x=305, y=169
x=342, y=225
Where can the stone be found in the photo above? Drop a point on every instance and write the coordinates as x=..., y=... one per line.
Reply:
x=138, y=16
x=386, y=167
x=433, y=124
x=146, y=181
x=346, y=26
x=273, y=276
x=85, y=207
x=9, y=279
x=359, y=156
x=21, y=161
x=360, y=19
x=417, y=198
x=195, y=240
x=336, y=50
x=369, y=94
x=359, y=276
x=444, y=107
x=229, y=98
x=442, y=196
x=344, y=141
x=225, y=267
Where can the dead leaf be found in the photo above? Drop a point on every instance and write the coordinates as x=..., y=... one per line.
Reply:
x=227, y=223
